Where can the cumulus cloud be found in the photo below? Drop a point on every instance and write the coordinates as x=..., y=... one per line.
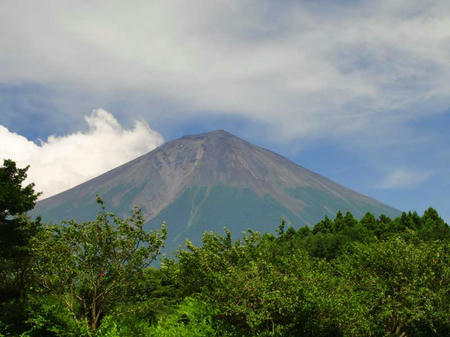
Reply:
x=401, y=178
x=62, y=162
x=306, y=68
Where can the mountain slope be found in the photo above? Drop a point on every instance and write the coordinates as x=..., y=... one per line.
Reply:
x=207, y=181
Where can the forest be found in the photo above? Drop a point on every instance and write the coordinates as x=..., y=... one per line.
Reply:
x=374, y=276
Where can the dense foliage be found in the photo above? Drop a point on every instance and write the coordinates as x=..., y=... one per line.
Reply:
x=345, y=277
x=342, y=277
x=90, y=266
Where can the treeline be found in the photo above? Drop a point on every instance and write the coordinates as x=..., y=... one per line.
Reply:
x=342, y=277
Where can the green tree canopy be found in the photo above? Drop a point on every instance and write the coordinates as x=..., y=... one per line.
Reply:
x=89, y=266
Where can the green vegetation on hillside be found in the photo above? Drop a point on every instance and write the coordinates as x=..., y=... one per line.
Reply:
x=236, y=209
x=342, y=277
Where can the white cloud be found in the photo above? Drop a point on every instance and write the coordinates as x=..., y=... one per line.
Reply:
x=306, y=68
x=401, y=178
x=60, y=163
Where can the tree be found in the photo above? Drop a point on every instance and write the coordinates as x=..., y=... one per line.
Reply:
x=89, y=266
x=15, y=199
x=339, y=221
x=433, y=226
x=349, y=220
x=368, y=221
x=324, y=226
x=16, y=228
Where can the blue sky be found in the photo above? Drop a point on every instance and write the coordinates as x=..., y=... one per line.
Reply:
x=357, y=91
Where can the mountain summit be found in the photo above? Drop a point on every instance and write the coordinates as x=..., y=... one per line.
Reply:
x=203, y=182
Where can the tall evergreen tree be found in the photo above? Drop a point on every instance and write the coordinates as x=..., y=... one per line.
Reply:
x=16, y=228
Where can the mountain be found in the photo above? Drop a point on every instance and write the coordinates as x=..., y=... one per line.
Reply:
x=204, y=182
